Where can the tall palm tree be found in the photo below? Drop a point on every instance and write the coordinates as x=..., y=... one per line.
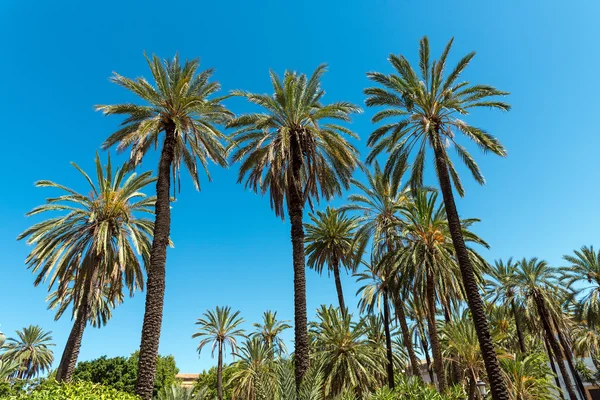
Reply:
x=349, y=359
x=295, y=151
x=91, y=246
x=582, y=276
x=501, y=288
x=221, y=327
x=330, y=241
x=427, y=111
x=536, y=280
x=379, y=203
x=32, y=350
x=429, y=264
x=270, y=332
x=179, y=104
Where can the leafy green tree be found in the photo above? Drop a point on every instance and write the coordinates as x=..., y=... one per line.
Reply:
x=207, y=382
x=270, y=332
x=582, y=276
x=179, y=104
x=427, y=111
x=221, y=327
x=330, y=241
x=81, y=390
x=31, y=349
x=90, y=250
x=295, y=151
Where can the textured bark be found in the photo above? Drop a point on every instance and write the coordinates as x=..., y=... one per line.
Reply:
x=220, y=373
x=436, y=350
x=569, y=357
x=338, y=284
x=155, y=287
x=295, y=210
x=551, y=358
x=425, y=346
x=497, y=384
x=406, y=339
x=388, y=340
x=555, y=347
x=519, y=327
x=68, y=361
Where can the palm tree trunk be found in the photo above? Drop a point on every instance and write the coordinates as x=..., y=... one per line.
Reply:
x=296, y=210
x=455, y=377
x=71, y=353
x=438, y=366
x=555, y=347
x=518, y=325
x=551, y=358
x=497, y=384
x=388, y=340
x=569, y=356
x=155, y=294
x=406, y=339
x=338, y=284
x=425, y=346
x=220, y=373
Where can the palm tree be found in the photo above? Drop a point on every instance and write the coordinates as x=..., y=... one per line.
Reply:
x=8, y=368
x=536, y=280
x=180, y=105
x=31, y=349
x=528, y=377
x=330, y=241
x=429, y=264
x=582, y=276
x=349, y=359
x=254, y=374
x=501, y=288
x=221, y=328
x=91, y=248
x=427, y=112
x=270, y=332
x=379, y=203
x=295, y=152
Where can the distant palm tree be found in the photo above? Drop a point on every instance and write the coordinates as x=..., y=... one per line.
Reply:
x=180, y=105
x=270, y=332
x=348, y=358
x=297, y=153
x=31, y=350
x=582, y=276
x=90, y=250
x=8, y=368
x=537, y=282
x=330, y=241
x=254, y=373
x=220, y=327
x=501, y=288
x=428, y=111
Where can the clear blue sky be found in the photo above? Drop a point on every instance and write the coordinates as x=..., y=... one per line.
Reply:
x=230, y=248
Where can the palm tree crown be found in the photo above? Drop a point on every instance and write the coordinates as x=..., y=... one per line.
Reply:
x=219, y=327
x=270, y=332
x=584, y=269
x=32, y=350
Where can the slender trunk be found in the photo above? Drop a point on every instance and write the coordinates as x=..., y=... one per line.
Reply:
x=220, y=373
x=296, y=210
x=555, y=347
x=438, y=366
x=551, y=358
x=155, y=292
x=406, y=339
x=518, y=325
x=425, y=346
x=569, y=356
x=455, y=377
x=497, y=384
x=338, y=284
x=65, y=370
x=388, y=340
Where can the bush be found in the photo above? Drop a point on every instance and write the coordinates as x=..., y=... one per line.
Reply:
x=410, y=388
x=52, y=390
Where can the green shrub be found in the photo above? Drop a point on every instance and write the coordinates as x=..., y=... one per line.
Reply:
x=52, y=390
x=410, y=388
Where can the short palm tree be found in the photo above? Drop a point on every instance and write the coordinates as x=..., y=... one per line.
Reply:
x=427, y=111
x=528, y=377
x=179, y=104
x=32, y=350
x=537, y=283
x=8, y=368
x=270, y=332
x=221, y=327
x=582, y=276
x=91, y=248
x=330, y=242
x=349, y=359
x=501, y=289
x=254, y=373
x=295, y=151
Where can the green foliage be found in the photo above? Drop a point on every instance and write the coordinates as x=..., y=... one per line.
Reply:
x=31, y=350
x=528, y=377
x=413, y=389
x=80, y=390
x=120, y=373
x=207, y=382
x=176, y=392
